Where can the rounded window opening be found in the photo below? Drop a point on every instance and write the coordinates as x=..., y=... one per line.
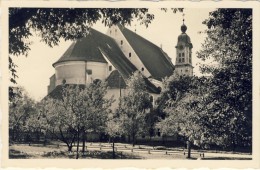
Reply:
x=142, y=69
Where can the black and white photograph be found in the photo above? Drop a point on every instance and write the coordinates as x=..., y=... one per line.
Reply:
x=121, y=83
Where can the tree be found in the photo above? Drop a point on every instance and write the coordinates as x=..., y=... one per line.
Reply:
x=134, y=106
x=79, y=110
x=96, y=108
x=57, y=120
x=180, y=94
x=114, y=129
x=21, y=109
x=229, y=45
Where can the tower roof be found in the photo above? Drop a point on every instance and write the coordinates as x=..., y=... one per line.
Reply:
x=183, y=38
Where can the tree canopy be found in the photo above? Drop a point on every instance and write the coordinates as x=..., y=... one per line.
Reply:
x=229, y=43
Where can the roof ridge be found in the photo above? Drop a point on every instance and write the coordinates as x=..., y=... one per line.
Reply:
x=139, y=36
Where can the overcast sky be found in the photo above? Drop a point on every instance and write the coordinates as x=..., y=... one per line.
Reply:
x=35, y=70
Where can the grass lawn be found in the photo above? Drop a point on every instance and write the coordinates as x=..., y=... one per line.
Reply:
x=54, y=151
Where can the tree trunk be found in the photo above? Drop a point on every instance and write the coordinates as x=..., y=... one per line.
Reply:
x=84, y=142
x=70, y=147
x=77, y=157
x=233, y=146
x=133, y=140
x=189, y=149
x=114, y=156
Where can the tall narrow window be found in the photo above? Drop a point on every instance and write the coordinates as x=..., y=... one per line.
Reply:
x=110, y=32
x=129, y=54
x=190, y=58
x=110, y=68
x=121, y=42
x=142, y=69
x=179, y=57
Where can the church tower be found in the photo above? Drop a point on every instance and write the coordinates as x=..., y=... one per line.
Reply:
x=183, y=64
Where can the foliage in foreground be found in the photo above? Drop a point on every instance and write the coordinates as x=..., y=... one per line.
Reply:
x=216, y=110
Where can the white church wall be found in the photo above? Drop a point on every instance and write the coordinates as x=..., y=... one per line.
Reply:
x=115, y=33
x=116, y=94
x=71, y=71
x=99, y=71
x=80, y=72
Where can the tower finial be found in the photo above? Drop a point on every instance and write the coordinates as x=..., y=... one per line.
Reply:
x=183, y=27
x=183, y=18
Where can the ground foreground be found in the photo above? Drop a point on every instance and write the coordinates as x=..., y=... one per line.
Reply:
x=123, y=151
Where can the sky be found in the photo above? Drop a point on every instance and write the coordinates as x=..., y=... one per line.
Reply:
x=35, y=70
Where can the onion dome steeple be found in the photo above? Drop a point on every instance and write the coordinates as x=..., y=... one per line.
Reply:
x=184, y=53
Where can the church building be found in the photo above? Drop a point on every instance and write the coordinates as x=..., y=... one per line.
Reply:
x=115, y=56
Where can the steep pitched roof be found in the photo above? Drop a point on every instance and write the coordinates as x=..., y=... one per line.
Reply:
x=84, y=49
x=154, y=58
